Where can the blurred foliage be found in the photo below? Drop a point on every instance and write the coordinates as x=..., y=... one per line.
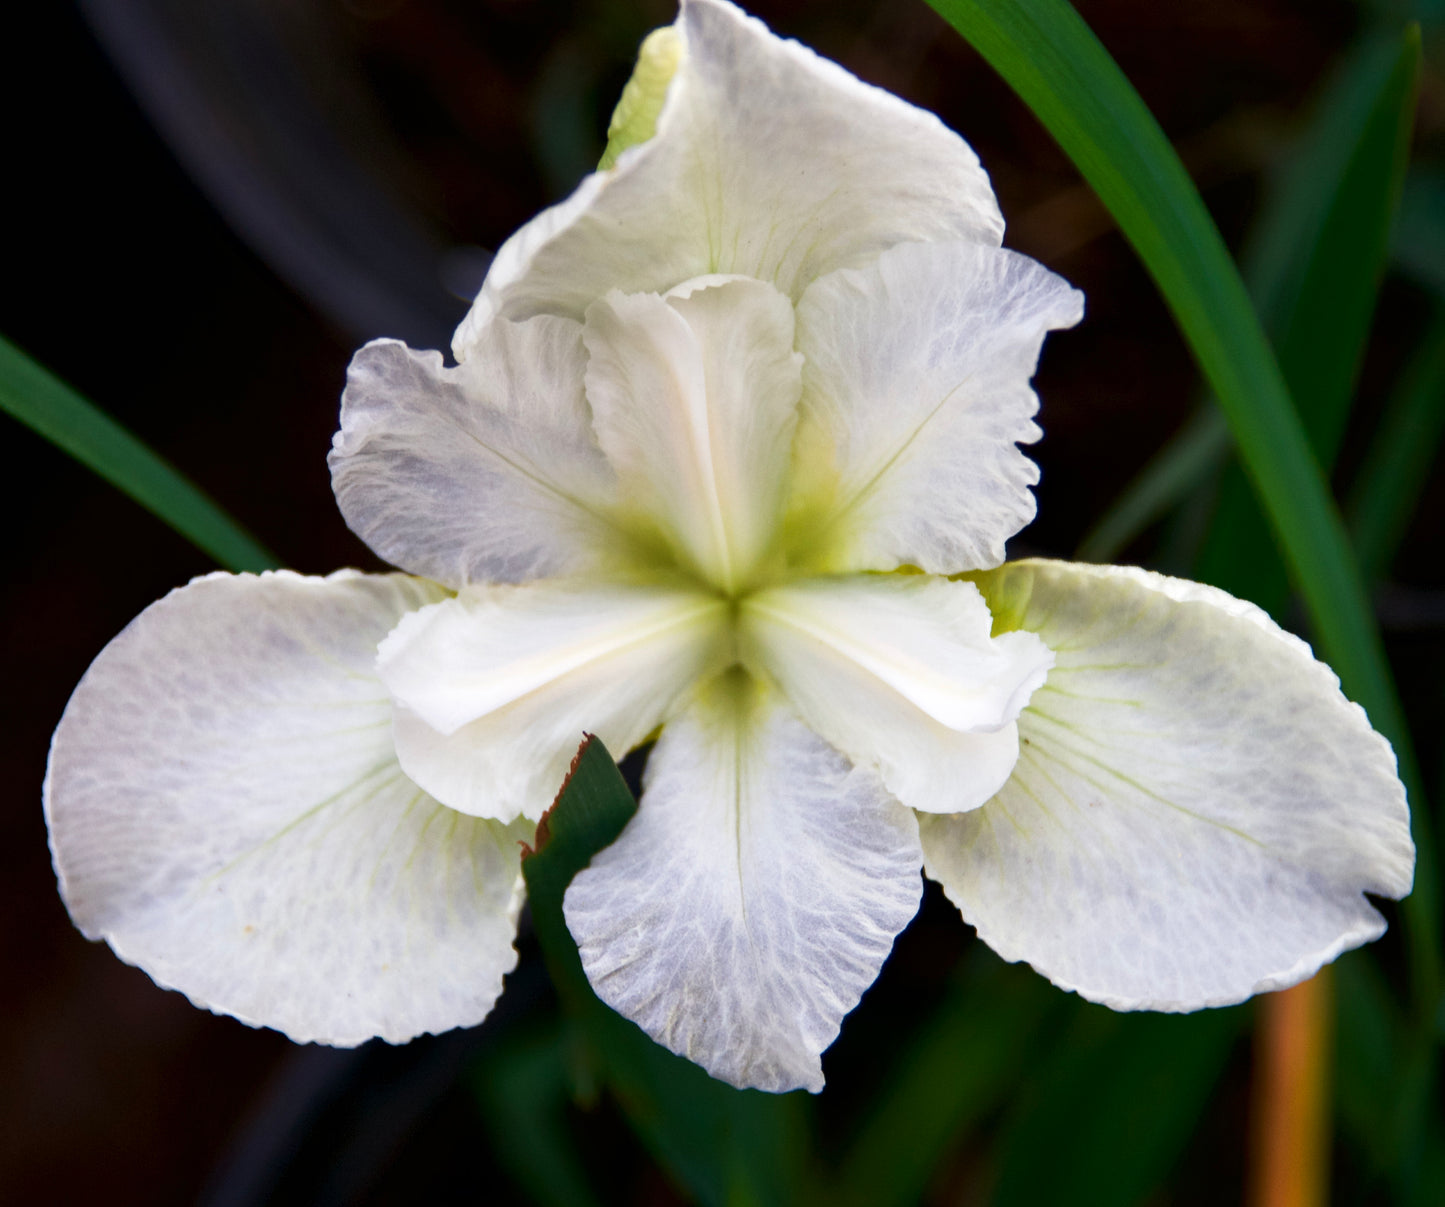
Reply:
x=1043, y=1097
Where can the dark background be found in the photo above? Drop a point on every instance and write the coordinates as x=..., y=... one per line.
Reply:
x=362, y=153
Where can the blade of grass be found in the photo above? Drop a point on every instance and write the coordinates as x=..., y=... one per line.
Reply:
x=1398, y=461
x=1325, y=309
x=48, y=406
x=728, y=1147
x=1043, y=49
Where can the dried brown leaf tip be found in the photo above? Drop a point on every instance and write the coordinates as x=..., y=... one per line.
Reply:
x=544, y=826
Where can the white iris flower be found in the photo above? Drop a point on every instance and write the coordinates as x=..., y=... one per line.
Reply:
x=730, y=452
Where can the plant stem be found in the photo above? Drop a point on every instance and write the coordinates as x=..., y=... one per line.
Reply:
x=1291, y=1124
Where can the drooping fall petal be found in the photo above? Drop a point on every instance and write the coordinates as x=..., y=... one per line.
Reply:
x=1197, y=811
x=753, y=897
x=226, y=811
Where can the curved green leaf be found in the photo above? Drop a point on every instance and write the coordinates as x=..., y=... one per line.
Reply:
x=47, y=405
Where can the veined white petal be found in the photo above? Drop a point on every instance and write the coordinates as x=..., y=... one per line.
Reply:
x=727, y=186
x=1197, y=812
x=226, y=811
x=899, y=672
x=694, y=397
x=916, y=397
x=497, y=686
x=484, y=473
x=753, y=897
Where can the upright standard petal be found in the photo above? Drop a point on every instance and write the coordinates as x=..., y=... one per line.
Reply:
x=915, y=398
x=226, y=812
x=900, y=673
x=694, y=397
x=1197, y=811
x=754, y=896
x=498, y=686
x=767, y=161
x=484, y=473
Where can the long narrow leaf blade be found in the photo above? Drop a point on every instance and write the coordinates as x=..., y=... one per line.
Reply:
x=48, y=406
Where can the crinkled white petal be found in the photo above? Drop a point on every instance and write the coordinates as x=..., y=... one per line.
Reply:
x=694, y=397
x=899, y=672
x=768, y=162
x=1197, y=811
x=497, y=687
x=226, y=811
x=484, y=473
x=916, y=397
x=753, y=897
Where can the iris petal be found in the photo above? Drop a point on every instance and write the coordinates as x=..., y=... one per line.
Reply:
x=768, y=162
x=226, y=811
x=916, y=395
x=1197, y=811
x=497, y=686
x=753, y=897
x=900, y=673
x=484, y=473
x=694, y=397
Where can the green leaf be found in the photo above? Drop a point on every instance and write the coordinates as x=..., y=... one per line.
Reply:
x=1061, y=71
x=1113, y=1107
x=1401, y=454
x=1324, y=306
x=964, y=1064
x=48, y=406
x=728, y=1147
x=522, y=1089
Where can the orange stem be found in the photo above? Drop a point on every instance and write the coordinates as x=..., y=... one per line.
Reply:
x=1291, y=1127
